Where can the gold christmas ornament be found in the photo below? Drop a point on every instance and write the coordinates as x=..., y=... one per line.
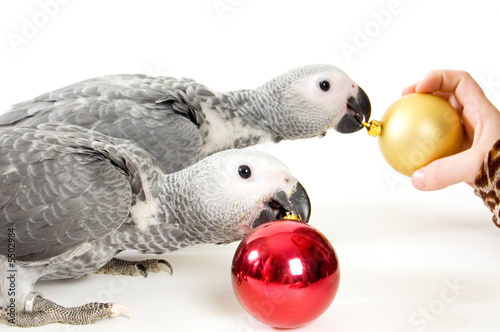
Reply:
x=416, y=130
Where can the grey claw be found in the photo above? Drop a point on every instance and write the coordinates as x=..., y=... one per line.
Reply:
x=144, y=270
x=167, y=264
x=117, y=309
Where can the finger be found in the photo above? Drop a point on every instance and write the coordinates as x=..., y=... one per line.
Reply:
x=441, y=173
x=452, y=99
x=459, y=83
x=409, y=89
x=441, y=80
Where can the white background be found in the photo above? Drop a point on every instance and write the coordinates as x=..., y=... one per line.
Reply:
x=401, y=252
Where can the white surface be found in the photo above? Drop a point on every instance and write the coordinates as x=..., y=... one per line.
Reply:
x=401, y=252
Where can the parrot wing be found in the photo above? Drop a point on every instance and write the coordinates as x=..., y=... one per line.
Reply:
x=161, y=114
x=58, y=194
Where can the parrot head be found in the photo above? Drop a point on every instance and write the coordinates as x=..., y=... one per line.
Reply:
x=316, y=98
x=238, y=190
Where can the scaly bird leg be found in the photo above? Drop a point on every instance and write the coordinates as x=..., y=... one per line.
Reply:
x=122, y=267
x=40, y=311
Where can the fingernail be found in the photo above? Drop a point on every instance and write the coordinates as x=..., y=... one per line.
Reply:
x=417, y=179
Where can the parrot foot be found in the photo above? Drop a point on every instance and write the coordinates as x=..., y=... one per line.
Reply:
x=122, y=267
x=40, y=311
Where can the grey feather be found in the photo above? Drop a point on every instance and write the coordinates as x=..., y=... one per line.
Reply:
x=168, y=116
x=86, y=196
x=60, y=199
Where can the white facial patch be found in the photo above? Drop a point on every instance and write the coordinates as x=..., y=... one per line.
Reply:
x=340, y=87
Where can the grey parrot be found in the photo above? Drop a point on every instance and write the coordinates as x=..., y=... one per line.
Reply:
x=72, y=198
x=180, y=121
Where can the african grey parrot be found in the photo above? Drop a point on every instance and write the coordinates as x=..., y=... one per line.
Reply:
x=180, y=121
x=73, y=198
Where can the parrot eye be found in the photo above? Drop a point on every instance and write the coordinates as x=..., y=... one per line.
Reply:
x=244, y=171
x=324, y=85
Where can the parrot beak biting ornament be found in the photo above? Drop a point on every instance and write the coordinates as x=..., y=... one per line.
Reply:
x=358, y=109
x=416, y=130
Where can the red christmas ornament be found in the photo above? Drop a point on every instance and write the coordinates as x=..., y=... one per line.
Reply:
x=285, y=273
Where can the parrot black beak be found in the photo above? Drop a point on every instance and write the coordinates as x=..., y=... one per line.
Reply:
x=358, y=110
x=297, y=203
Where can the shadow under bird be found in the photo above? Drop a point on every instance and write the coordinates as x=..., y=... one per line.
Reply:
x=73, y=198
x=180, y=121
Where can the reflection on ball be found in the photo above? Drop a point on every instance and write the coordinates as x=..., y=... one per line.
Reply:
x=285, y=273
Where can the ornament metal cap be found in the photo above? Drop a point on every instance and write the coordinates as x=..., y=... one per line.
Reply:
x=373, y=127
x=290, y=216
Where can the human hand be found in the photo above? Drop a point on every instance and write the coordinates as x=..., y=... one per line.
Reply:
x=481, y=121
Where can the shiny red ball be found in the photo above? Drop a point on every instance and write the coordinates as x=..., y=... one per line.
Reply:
x=285, y=273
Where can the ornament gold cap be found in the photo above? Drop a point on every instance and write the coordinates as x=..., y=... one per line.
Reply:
x=290, y=216
x=373, y=127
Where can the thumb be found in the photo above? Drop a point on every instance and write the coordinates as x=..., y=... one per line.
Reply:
x=444, y=172
x=409, y=89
